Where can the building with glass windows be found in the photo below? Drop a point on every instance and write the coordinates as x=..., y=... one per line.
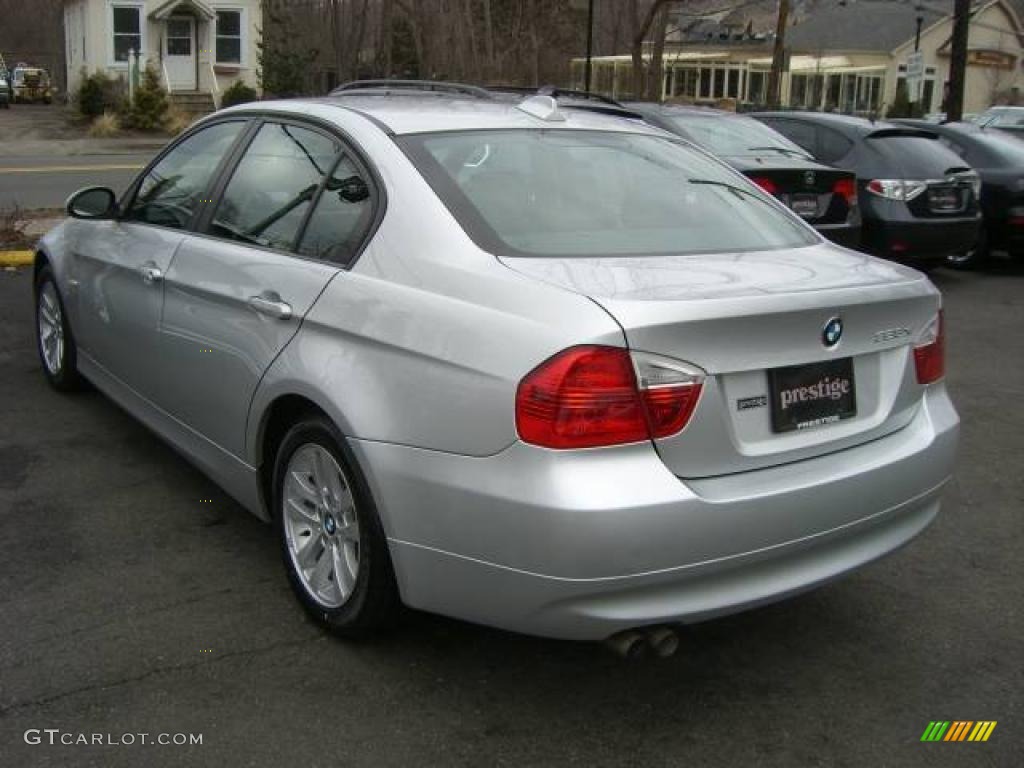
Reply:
x=845, y=55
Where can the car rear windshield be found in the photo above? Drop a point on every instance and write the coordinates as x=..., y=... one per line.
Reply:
x=734, y=135
x=563, y=192
x=917, y=157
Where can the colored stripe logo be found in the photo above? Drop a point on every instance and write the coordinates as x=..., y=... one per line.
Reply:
x=958, y=730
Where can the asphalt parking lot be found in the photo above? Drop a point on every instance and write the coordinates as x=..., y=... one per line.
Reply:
x=135, y=597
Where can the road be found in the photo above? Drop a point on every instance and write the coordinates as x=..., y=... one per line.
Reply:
x=130, y=604
x=40, y=181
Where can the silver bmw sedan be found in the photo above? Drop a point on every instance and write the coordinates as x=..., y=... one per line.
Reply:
x=539, y=368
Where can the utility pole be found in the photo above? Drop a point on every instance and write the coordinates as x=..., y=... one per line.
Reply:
x=590, y=44
x=958, y=60
x=778, y=56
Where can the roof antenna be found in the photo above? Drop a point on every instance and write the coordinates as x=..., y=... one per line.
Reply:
x=542, y=107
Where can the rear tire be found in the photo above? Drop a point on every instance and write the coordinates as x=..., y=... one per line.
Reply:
x=55, y=343
x=333, y=545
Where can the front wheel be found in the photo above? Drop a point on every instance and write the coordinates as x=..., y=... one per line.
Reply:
x=334, y=549
x=54, y=341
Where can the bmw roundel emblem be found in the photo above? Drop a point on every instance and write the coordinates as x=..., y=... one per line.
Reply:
x=832, y=332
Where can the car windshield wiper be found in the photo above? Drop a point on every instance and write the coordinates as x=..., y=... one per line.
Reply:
x=783, y=150
x=726, y=185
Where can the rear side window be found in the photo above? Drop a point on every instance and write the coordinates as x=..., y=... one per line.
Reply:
x=273, y=186
x=589, y=193
x=342, y=215
x=173, y=189
x=832, y=145
x=799, y=133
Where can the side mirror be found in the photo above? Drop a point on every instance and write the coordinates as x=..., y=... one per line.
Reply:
x=93, y=203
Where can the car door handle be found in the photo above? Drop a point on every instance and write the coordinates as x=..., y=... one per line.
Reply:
x=271, y=304
x=151, y=274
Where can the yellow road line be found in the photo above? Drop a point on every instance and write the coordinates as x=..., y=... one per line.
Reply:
x=16, y=258
x=72, y=168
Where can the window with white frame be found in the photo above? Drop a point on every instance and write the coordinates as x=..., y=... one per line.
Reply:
x=127, y=29
x=229, y=37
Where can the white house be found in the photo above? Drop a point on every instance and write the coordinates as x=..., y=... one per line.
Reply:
x=198, y=47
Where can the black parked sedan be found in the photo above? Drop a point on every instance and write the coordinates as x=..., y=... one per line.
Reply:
x=825, y=197
x=999, y=160
x=918, y=198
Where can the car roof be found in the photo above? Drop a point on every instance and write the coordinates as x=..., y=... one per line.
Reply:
x=428, y=112
x=848, y=124
x=668, y=110
x=963, y=128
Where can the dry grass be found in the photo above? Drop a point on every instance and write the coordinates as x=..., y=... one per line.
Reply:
x=176, y=120
x=12, y=229
x=105, y=126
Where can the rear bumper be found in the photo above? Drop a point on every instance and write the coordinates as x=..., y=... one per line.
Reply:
x=921, y=239
x=846, y=235
x=583, y=544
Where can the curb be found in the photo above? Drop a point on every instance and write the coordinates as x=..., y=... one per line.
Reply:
x=17, y=258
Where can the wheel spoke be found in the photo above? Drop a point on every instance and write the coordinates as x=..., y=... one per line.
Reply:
x=319, y=577
x=308, y=549
x=301, y=485
x=349, y=529
x=319, y=468
x=48, y=316
x=302, y=514
x=344, y=574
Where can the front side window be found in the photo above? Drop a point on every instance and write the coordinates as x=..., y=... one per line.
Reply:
x=127, y=31
x=229, y=37
x=341, y=217
x=172, y=190
x=274, y=185
x=589, y=193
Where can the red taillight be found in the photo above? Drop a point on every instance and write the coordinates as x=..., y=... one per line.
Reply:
x=767, y=185
x=847, y=189
x=589, y=396
x=930, y=352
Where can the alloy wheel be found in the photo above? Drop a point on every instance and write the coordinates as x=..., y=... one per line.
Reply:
x=321, y=525
x=51, y=329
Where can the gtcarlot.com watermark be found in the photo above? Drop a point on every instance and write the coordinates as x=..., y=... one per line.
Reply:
x=57, y=737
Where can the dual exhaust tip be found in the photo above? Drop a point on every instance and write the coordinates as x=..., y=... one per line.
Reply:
x=661, y=641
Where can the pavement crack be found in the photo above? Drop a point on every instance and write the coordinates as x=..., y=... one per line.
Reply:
x=18, y=706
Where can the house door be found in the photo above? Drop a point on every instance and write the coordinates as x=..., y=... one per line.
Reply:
x=180, y=53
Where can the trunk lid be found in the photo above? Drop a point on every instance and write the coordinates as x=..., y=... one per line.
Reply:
x=739, y=316
x=808, y=189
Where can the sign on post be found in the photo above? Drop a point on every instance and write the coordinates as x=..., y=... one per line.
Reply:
x=915, y=75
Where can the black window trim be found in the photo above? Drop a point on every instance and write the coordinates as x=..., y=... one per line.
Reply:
x=347, y=148
x=128, y=198
x=254, y=120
